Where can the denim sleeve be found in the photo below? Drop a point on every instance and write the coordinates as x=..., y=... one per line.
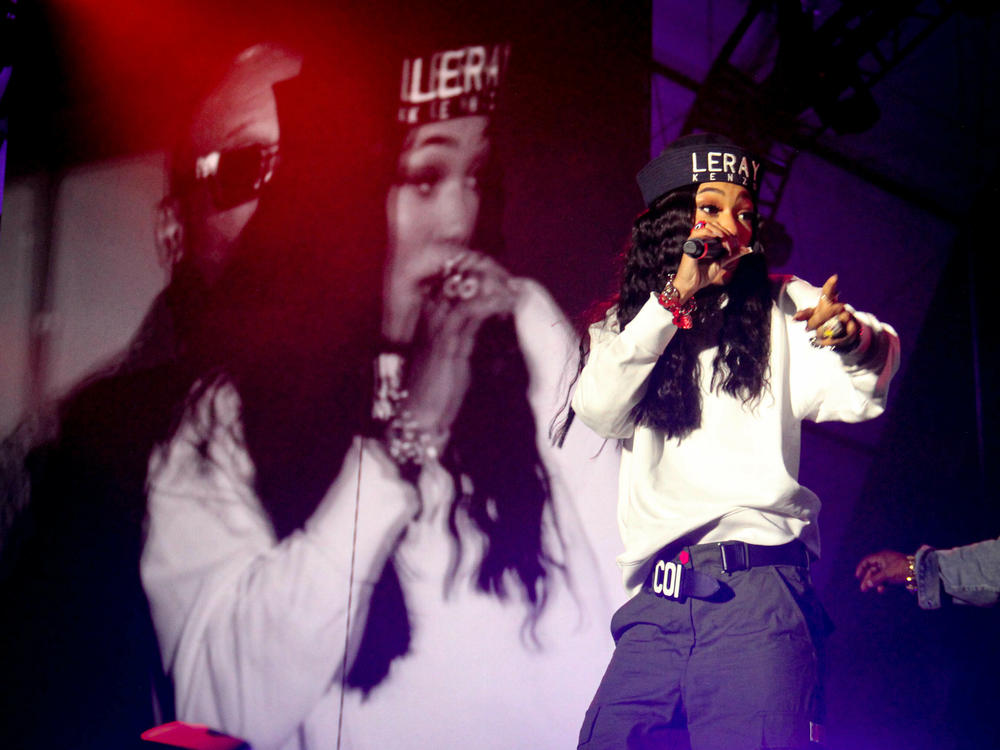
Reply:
x=928, y=576
x=969, y=574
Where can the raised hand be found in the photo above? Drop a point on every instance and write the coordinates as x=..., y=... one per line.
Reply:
x=830, y=318
x=471, y=288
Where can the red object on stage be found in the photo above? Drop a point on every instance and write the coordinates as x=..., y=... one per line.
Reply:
x=192, y=737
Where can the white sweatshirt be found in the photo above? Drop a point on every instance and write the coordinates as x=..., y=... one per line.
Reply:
x=736, y=476
x=253, y=631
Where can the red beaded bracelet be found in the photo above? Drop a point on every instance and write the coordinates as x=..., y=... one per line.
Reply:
x=670, y=299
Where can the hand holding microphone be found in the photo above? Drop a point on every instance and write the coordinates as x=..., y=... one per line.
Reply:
x=705, y=248
x=709, y=248
x=709, y=256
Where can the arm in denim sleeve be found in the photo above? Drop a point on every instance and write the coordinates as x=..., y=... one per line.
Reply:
x=969, y=574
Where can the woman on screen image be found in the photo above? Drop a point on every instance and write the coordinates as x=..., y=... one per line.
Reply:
x=499, y=547
x=342, y=555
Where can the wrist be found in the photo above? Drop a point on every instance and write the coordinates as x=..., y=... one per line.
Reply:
x=410, y=444
x=679, y=306
x=685, y=291
x=851, y=345
x=861, y=350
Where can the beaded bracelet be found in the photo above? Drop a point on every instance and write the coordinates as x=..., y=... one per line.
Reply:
x=911, y=574
x=409, y=444
x=670, y=300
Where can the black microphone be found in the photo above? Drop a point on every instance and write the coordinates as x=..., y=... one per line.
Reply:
x=711, y=248
x=705, y=248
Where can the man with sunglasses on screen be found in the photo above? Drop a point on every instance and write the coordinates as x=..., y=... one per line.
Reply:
x=226, y=158
x=75, y=639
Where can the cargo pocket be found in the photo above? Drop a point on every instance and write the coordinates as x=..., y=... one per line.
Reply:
x=819, y=625
x=795, y=581
x=785, y=731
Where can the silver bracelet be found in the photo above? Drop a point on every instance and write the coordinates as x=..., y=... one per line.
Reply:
x=409, y=445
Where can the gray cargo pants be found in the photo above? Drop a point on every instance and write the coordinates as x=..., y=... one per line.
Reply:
x=740, y=672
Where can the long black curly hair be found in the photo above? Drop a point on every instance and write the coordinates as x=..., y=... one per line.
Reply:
x=740, y=312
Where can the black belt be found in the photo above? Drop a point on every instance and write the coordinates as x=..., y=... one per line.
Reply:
x=735, y=556
x=675, y=570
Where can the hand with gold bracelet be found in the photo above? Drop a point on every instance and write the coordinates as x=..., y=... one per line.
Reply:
x=886, y=567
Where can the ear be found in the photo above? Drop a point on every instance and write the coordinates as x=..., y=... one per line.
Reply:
x=169, y=233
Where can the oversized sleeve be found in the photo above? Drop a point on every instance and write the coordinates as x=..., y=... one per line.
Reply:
x=253, y=631
x=582, y=471
x=550, y=348
x=826, y=385
x=615, y=377
x=969, y=574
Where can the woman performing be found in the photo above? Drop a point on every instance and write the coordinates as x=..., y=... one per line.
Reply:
x=704, y=369
x=324, y=572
